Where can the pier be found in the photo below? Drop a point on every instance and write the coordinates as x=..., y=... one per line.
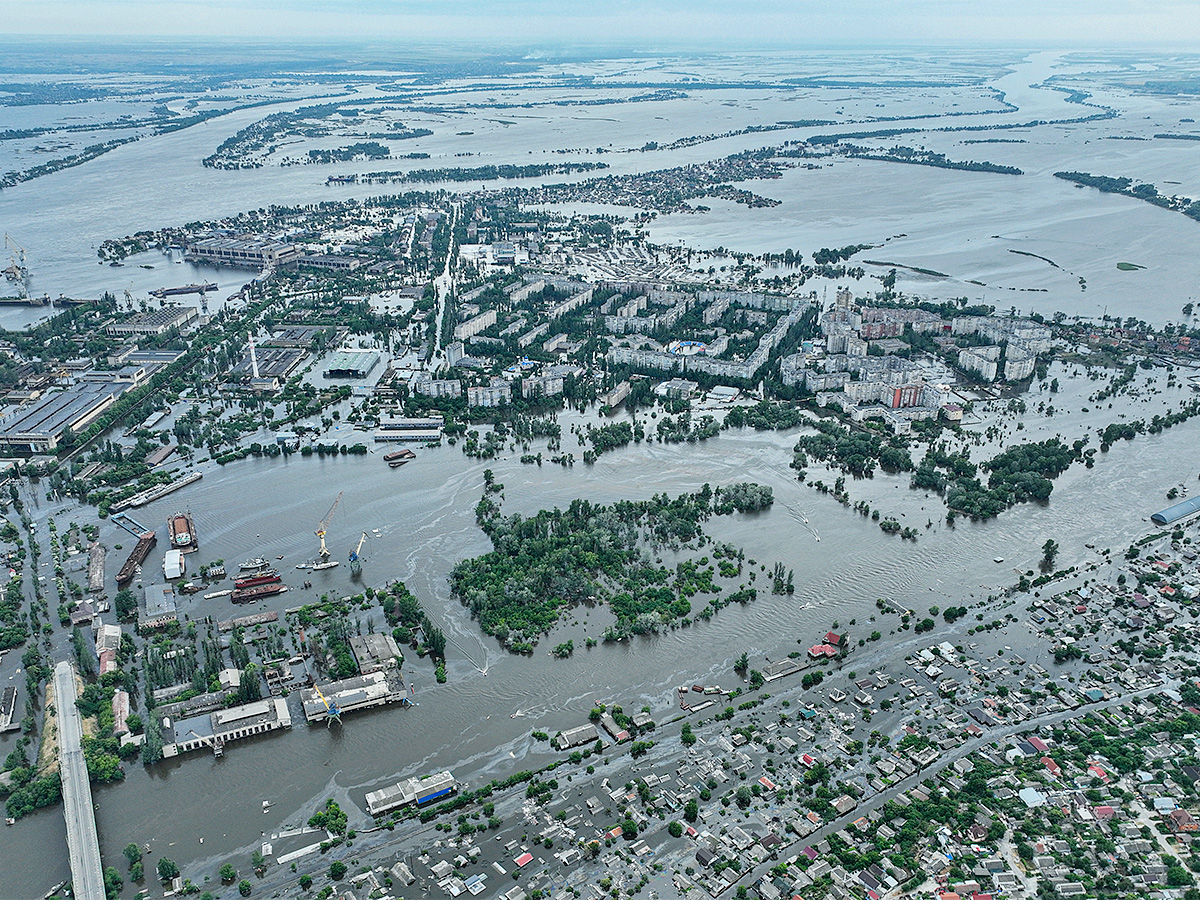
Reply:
x=87, y=879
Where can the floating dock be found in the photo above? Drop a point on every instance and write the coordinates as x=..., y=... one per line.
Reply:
x=182, y=531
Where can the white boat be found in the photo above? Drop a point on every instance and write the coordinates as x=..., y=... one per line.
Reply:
x=256, y=563
x=328, y=564
x=998, y=559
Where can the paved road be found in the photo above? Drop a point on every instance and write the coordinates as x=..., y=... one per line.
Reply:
x=87, y=876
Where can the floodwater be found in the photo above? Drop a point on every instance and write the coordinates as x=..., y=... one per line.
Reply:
x=959, y=223
x=424, y=512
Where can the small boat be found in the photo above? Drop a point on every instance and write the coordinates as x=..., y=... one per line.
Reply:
x=257, y=563
x=10, y=821
x=328, y=564
x=396, y=463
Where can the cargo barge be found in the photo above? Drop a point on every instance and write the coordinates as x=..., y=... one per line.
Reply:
x=183, y=532
x=405, y=455
x=136, y=558
x=186, y=289
x=250, y=594
x=267, y=576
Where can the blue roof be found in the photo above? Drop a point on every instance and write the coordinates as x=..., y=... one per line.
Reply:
x=1178, y=511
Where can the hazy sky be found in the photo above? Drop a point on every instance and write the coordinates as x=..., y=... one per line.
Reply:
x=635, y=23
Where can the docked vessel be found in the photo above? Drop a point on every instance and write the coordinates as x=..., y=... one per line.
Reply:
x=327, y=564
x=251, y=564
x=396, y=463
x=250, y=594
x=399, y=454
x=266, y=576
x=183, y=532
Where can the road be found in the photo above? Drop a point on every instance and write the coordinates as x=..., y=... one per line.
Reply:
x=87, y=876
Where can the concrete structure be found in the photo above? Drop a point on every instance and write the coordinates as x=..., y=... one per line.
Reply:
x=87, y=876
x=498, y=393
x=248, y=252
x=425, y=384
x=217, y=729
x=984, y=360
x=414, y=791
x=156, y=321
x=427, y=428
x=350, y=694
x=375, y=652
x=40, y=427
x=474, y=326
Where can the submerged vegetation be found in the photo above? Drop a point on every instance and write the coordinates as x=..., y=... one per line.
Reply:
x=546, y=563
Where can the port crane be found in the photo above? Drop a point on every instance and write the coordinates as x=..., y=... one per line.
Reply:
x=332, y=712
x=17, y=271
x=324, y=551
x=356, y=555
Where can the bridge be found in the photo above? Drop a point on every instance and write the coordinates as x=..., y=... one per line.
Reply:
x=87, y=876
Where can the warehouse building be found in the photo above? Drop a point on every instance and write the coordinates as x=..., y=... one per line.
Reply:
x=244, y=252
x=1176, y=512
x=414, y=791
x=40, y=427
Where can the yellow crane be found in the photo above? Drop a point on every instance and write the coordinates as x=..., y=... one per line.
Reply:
x=324, y=551
x=332, y=713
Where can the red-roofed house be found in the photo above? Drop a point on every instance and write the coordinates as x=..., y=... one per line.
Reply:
x=1103, y=813
x=1097, y=772
x=818, y=651
x=1051, y=767
x=767, y=783
x=1038, y=744
x=834, y=639
x=526, y=858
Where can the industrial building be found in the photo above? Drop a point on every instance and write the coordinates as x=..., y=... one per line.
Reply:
x=273, y=362
x=414, y=791
x=350, y=694
x=375, y=652
x=1176, y=512
x=219, y=728
x=40, y=427
x=245, y=252
x=352, y=364
x=410, y=429
x=155, y=321
x=573, y=737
